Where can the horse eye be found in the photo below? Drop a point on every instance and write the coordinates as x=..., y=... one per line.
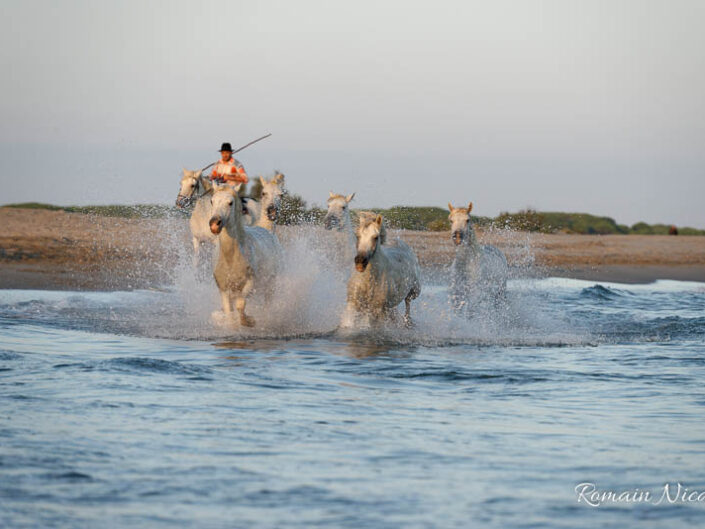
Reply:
x=193, y=185
x=230, y=202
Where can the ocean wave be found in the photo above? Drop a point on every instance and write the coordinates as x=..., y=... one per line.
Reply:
x=601, y=292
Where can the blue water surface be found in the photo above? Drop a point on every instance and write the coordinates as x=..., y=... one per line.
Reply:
x=131, y=409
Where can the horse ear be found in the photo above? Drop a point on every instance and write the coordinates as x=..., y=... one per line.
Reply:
x=450, y=207
x=279, y=178
x=378, y=220
x=198, y=174
x=185, y=171
x=236, y=188
x=349, y=197
x=261, y=180
x=331, y=194
x=469, y=207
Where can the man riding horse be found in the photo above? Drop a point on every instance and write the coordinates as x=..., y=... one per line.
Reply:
x=228, y=169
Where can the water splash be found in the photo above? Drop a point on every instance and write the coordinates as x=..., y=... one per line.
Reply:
x=310, y=296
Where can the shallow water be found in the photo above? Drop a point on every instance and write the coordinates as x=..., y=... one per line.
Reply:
x=131, y=409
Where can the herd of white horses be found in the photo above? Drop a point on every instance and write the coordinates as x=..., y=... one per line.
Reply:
x=381, y=273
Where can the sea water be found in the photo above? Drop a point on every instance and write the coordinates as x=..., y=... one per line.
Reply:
x=132, y=409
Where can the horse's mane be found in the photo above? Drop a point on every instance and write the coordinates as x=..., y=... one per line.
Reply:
x=206, y=184
x=366, y=218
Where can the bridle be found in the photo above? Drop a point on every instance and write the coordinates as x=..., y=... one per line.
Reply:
x=189, y=200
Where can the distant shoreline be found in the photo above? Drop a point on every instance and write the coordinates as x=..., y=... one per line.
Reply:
x=419, y=218
x=56, y=250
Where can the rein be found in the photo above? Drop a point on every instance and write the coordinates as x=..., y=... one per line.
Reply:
x=188, y=201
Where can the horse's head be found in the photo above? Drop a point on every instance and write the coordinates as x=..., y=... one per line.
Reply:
x=370, y=234
x=338, y=212
x=272, y=196
x=226, y=207
x=188, y=189
x=459, y=222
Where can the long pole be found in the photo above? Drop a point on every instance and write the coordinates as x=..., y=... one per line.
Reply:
x=240, y=149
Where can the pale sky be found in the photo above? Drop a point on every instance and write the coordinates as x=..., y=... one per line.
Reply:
x=591, y=106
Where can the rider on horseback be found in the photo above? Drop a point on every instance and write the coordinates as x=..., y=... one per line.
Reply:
x=228, y=169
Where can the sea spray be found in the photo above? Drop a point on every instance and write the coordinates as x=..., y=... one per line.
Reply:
x=309, y=300
x=309, y=297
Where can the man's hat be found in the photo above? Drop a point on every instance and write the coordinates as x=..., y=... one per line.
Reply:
x=226, y=147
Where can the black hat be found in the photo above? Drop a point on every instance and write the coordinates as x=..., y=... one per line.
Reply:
x=226, y=147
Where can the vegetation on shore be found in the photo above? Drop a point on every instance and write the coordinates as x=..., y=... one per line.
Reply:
x=295, y=210
x=116, y=210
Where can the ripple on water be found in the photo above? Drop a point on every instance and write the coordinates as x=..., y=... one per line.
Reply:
x=495, y=418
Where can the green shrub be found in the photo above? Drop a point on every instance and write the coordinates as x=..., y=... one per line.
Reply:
x=690, y=231
x=438, y=225
x=296, y=211
x=524, y=220
x=33, y=205
x=293, y=209
x=581, y=223
x=660, y=229
x=642, y=228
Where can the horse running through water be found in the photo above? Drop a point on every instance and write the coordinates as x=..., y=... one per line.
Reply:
x=338, y=222
x=248, y=256
x=338, y=215
x=270, y=201
x=478, y=271
x=384, y=276
x=196, y=189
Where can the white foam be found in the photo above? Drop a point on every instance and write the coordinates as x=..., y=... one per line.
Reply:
x=310, y=300
x=564, y=283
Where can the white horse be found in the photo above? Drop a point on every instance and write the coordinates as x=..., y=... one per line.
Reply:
x=338, y=216
x=270, y=201
x=478, y=271
x=385, y=275
x=248, y=257
x=339, y=223
x=196, y=188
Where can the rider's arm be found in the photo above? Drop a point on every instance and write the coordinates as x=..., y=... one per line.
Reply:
x=242, y=175
x=237, y=174
x=215, y=173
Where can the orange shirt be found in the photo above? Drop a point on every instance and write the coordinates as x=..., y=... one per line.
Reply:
x=231, y=172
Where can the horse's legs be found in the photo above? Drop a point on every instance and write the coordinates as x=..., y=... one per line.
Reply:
x=226, y=302
x=268, y=292
x=241, y=301
x=196, y=252
x=407, y=314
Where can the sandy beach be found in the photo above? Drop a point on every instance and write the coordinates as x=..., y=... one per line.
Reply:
x=57, y=250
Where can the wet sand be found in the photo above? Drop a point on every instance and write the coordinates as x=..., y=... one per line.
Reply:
x=57, y=250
